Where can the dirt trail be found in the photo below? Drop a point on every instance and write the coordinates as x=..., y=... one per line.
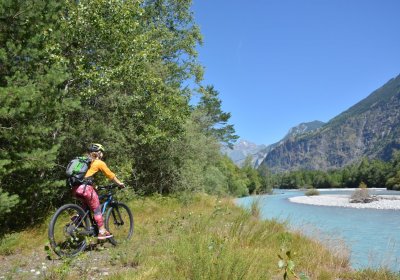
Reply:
x=99, y=262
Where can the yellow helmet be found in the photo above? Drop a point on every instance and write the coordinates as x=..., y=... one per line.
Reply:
x=96, y=148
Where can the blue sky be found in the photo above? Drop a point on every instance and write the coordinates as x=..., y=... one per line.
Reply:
x=278, y=63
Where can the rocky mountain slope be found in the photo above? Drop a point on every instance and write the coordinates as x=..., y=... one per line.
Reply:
x=371, y=128
x=303, y=128
x=243, y=149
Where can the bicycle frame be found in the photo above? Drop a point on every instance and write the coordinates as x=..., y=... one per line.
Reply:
x=71, y=224
x=111, y=202
x=108, y=202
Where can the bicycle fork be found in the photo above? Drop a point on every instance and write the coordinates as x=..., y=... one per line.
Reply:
x=118, y=221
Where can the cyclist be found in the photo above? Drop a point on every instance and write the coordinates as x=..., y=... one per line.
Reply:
x=86, y=191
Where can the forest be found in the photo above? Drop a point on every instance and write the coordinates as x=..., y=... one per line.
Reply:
x=120, y=73
x=373, y=173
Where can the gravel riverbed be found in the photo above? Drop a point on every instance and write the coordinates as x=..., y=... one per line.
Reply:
x=384, y=201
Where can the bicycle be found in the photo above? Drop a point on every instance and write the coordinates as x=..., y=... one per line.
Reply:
x=71, y=226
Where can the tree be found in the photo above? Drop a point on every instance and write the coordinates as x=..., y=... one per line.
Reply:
x=197, y=153
x=267, y=179
x=213, y=119
x=7, y=202
x=92, y=71
x=393, y=181
x=33, y=105
x=254, y=180
x=237, y=180
x=129, y=60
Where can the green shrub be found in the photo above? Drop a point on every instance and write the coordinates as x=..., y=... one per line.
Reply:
x=312, y=192
x=9, y=243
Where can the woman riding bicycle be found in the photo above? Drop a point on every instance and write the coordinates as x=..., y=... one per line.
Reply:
x=87, y=193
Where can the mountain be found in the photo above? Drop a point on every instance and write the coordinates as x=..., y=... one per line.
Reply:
x=302, y=129
x=370, y=128
x=242, y=149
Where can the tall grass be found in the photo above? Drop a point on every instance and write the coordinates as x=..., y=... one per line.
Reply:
x=224, y=242
x=203, y=238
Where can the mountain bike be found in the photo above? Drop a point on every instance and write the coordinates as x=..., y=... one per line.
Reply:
x=71, y=226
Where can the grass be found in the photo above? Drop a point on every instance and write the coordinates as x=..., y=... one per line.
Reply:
x=199, y=238
x=23, y=242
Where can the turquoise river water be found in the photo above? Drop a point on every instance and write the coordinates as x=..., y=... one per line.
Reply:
x=371, y=237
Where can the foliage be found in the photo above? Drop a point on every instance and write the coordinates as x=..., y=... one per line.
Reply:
x=373, y=173
x=116, y=72
x=362, y=185
x=266, y=178
x=33, y=106
x=8, y=244
x=287, y=264
x=7, y=202
x=312, y=192
x=203, y=168
x=393, y=181
x=214, y=121
x=112, y=72
x=254, y=179
x=199, y=154
x=209, y=238
x=131, y=89
x=237, y=180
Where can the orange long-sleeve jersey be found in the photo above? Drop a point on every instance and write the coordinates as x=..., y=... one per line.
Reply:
x=99, y=165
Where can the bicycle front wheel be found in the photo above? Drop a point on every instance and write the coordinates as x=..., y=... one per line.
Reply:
x=119, y=221
x=68, y=230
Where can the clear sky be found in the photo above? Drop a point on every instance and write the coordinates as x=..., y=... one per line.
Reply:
x=278, y=63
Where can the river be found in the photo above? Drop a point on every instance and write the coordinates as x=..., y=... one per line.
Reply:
x=372, y=237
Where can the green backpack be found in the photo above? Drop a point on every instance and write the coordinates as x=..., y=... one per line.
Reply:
x=76, y=170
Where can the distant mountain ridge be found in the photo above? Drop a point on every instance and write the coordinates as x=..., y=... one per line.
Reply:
x=370, y=128
x=243, y=148
x=303, y=128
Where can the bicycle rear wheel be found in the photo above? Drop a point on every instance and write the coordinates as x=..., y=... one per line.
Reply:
x=119, y=221
x=67, y=230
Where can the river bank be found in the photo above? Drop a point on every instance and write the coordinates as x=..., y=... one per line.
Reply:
x=384, y=202
x=207, y=238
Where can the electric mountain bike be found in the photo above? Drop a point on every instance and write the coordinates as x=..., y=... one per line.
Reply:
x=71, y=226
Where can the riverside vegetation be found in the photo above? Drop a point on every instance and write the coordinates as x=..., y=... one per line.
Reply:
x=111, y=72
x=186, y=237
x=373, y=173
x=116, y=72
